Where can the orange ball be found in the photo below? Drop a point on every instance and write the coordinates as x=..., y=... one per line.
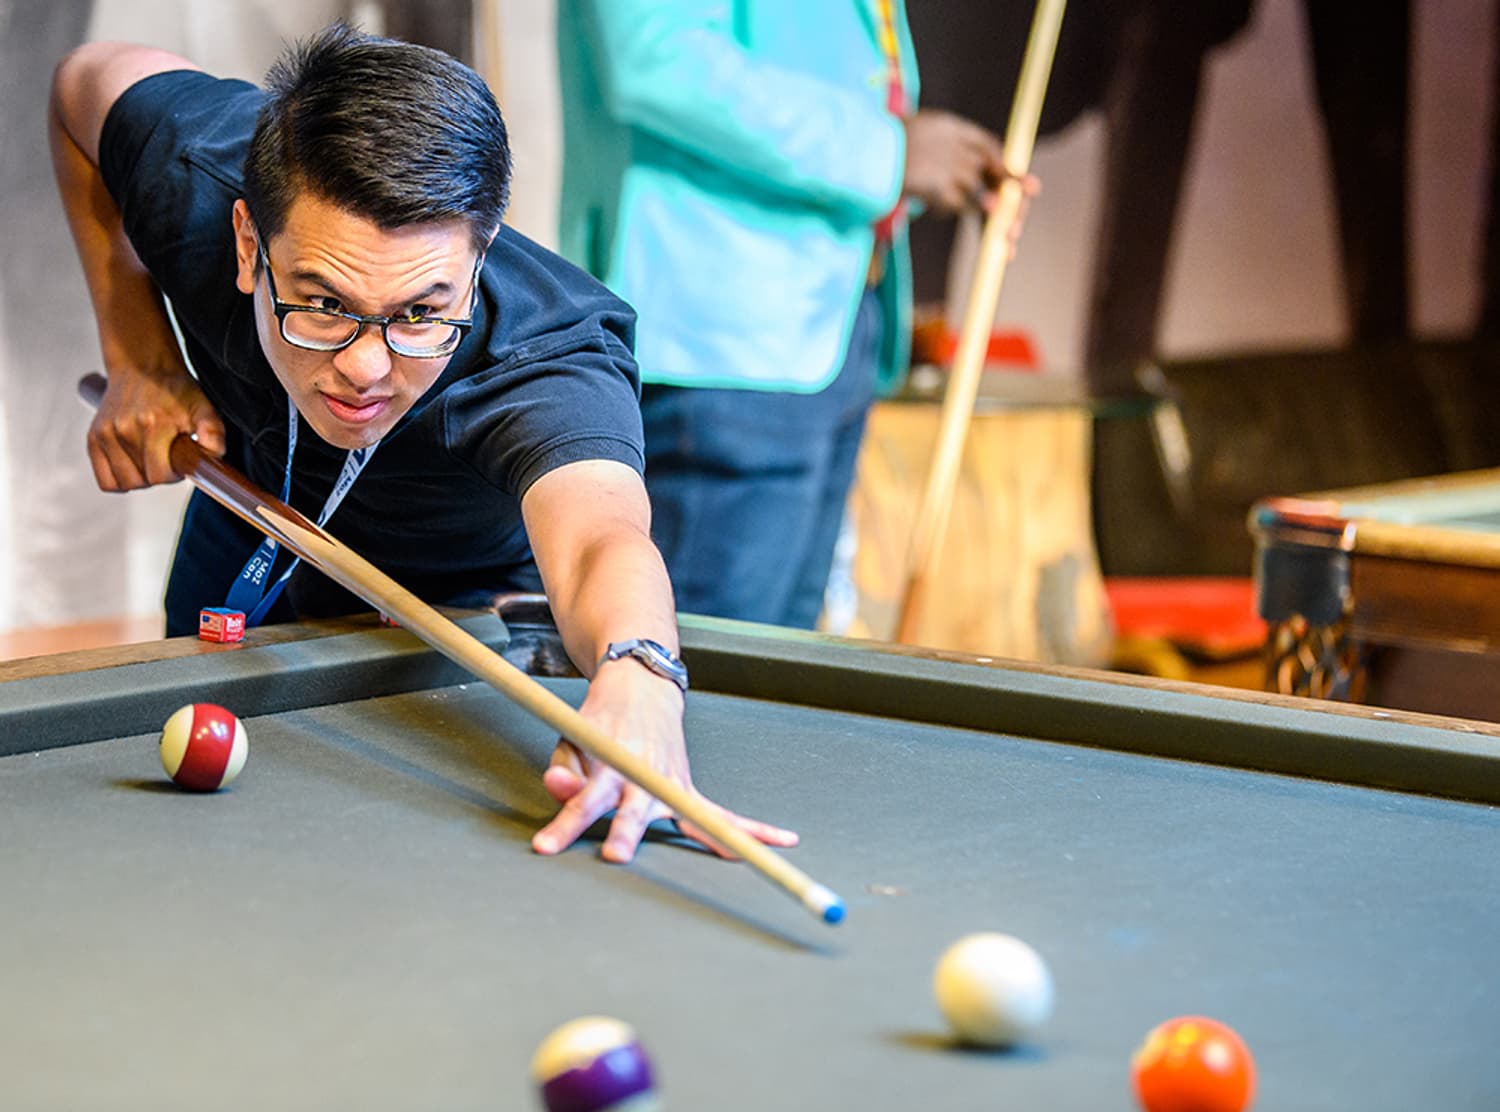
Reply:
x=1193, y=1064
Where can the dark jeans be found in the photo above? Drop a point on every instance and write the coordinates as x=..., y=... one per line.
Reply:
x=748, y=487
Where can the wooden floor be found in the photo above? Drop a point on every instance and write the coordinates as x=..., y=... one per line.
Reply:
x=21, y=643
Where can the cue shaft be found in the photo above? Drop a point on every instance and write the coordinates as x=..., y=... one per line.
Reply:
x=343, y=565
x=979, y=315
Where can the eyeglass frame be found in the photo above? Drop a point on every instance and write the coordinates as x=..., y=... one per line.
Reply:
x=283, y=309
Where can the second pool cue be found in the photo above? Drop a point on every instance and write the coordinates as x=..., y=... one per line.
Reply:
x=979, y=315
x=343, y=565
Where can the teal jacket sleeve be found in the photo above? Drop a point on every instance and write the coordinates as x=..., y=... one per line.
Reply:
x=672, y=68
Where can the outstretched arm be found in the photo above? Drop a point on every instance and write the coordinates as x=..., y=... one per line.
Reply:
x=589, y=524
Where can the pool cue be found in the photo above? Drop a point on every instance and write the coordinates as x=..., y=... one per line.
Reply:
x=343, y=565
x=979, y=315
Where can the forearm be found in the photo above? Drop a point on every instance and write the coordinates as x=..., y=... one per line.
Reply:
x=590, y=528
x=152, y=398
x=135, y=335
x=619, y=591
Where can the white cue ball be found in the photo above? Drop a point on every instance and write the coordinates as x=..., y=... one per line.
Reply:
x=993, y=989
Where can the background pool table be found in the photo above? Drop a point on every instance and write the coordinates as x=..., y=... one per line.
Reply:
x=358, y=922
x=1386, y=594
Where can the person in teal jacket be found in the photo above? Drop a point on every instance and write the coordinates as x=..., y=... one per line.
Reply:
x=740, y=172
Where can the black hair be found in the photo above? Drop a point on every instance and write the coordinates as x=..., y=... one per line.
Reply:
x=396, y=133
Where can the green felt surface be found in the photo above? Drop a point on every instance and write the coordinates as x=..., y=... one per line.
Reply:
x=358, y=921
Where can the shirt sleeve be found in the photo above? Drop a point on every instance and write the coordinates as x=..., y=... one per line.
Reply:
x=558, y=381
x=171, y=154
x=673, y=70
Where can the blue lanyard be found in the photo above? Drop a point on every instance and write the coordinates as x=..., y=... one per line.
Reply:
x=249, y=592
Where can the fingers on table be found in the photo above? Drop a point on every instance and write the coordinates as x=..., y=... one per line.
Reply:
x=586, y=799
x=590, y=800
x=636, y=811
x=564, y=777
x=761, y=831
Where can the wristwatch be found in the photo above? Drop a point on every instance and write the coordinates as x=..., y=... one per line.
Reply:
x=655, y=656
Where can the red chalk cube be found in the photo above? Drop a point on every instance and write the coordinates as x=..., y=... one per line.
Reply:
x=219, y=623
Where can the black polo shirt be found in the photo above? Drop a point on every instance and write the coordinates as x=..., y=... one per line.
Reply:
x=545, y=378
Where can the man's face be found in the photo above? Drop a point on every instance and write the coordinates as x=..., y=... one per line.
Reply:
x=327, y=257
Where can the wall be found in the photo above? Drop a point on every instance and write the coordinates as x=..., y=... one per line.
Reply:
x=1252, y=263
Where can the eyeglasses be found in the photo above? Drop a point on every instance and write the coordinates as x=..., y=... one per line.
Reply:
x=315, y=328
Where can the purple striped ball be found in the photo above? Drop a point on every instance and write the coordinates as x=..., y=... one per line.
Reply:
x=593, y=1064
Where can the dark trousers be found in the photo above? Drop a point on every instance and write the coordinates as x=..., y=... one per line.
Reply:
x=748, y=487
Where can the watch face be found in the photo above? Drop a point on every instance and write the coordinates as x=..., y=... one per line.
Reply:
x=655, y=656
x=659, y=659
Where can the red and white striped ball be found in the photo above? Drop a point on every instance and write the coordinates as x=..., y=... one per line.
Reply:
x=203, y=747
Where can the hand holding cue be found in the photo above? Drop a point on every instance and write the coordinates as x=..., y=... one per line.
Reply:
x=979, y=313
x=279, y=521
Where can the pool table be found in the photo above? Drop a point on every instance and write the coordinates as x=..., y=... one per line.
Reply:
x=358, y=922
x=1385, y=594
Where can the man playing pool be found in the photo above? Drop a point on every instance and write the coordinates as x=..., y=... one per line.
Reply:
x=360, y=332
